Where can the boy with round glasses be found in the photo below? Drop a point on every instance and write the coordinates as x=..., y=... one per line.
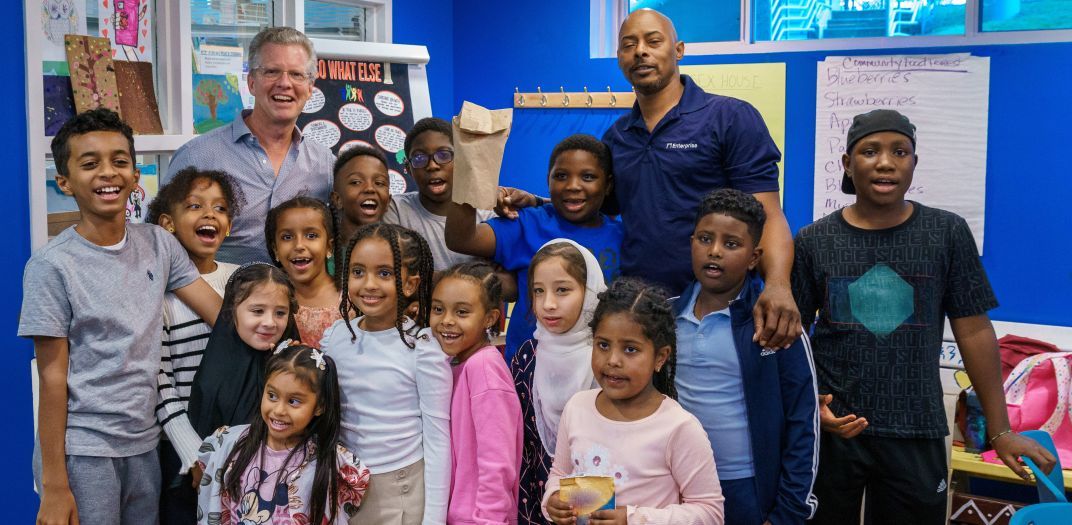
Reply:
x=429, y=151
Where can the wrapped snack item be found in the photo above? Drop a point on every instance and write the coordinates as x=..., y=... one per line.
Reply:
x=587, y=494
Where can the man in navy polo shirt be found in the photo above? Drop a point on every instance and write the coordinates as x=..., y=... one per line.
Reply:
x=677, y=144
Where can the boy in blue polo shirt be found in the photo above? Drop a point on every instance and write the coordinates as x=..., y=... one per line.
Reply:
x=758, y=407
x=878, y=278
x=93, y=303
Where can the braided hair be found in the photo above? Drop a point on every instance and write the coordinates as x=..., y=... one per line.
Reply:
x=649, y=307
x=485, y=275
x=411, y=253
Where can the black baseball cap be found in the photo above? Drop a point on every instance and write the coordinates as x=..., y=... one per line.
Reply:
x=875, y=121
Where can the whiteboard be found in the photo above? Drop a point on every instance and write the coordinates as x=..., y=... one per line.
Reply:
x=945, y=96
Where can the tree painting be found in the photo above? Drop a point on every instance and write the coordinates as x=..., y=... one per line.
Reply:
x=92, y=72
x=210, y=93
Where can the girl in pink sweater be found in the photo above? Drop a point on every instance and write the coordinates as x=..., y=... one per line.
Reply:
x=485, y=414
x=633, y=430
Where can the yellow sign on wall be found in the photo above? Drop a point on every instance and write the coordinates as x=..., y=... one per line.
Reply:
x=762, y=85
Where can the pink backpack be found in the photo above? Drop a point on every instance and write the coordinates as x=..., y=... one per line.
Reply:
x=1037, y=391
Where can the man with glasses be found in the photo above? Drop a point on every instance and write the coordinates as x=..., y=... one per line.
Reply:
x=429, y=151
x=263, y=149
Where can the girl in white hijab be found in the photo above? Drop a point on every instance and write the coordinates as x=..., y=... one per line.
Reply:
x=564, y=281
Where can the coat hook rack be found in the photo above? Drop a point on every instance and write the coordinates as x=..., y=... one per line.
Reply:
x=573, y=99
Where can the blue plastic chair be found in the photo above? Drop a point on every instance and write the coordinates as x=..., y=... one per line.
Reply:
x=1051, y=487
x=1043, y=514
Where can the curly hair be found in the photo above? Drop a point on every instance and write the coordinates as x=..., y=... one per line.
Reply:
x=737, y=204
x=588, y=143
x=650, y=308
x=100, y=119
x=322, y=432
x=485, y=275
x=172, y=194
x=410, y=251
x=427, y=124
x=271, y=223
x=351, y=154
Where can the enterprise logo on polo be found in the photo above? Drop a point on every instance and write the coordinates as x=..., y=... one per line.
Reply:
x=680, y=145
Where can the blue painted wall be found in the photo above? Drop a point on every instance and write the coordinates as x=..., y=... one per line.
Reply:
x=1028, y=234
x=430, y=23
x=17, y=439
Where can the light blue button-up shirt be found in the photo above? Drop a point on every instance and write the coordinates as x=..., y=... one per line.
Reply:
x=709, y=385
x=306, y=170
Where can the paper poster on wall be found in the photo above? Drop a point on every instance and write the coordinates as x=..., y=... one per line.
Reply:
x=358, y=103
x=945, y=96
x=58, y=18
x=142, y=194
x=127, y=24
x=217, y=101
x=218, y=60
x=762, y=85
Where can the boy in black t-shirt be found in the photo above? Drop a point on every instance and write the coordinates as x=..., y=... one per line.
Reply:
x=879, y=277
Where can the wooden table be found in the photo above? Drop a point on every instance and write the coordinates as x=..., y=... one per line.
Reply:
x=969, y=509
x=973, y=465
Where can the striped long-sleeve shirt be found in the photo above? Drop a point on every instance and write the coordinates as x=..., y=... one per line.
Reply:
x=184, y=339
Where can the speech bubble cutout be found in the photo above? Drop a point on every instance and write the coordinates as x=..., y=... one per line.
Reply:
x=390, y=137
x=353, y=144
x=398, y=182
x=315, y=102
x=325, y=132
x=355, y=116
x=389, y=103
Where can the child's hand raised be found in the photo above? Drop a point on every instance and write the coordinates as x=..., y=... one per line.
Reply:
x=847, y=427
x=561, y=512
x=511, y=200
x=617, y=516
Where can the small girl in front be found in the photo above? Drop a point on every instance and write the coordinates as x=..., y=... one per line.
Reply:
x=632, y=429
x=256, y=315
x=564, y=282
x=485, y=416
x=287, y=466
x=395, y=380
x=301, y=238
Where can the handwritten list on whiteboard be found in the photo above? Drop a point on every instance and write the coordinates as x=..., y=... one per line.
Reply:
x=945, y=96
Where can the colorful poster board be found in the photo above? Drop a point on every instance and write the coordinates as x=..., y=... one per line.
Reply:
x=945, y=96
x=366, y=103
x=762, y=85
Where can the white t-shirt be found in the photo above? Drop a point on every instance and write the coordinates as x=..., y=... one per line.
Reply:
x=406, y=210
x=396, y=404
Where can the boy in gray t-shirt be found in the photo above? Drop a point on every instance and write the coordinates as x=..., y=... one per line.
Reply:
x=92, y=302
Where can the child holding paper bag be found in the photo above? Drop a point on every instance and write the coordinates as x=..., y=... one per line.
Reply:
x=579, y=178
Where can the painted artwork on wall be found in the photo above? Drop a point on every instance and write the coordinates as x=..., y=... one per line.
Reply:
x=217, y=101
x=127, y=24
x=59, y=18
x=137, y=98
x=92, y=73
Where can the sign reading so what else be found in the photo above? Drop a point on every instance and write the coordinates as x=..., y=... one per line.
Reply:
x=357, y=103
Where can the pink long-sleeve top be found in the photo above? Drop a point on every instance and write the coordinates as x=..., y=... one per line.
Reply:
x=662, y=465
x=485, y=442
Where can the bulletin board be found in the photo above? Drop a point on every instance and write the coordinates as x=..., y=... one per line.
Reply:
x=368, y=95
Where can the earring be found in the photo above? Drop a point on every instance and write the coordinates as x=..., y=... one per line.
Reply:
x=329, y=255
x=227, y=233
x=171, y=229
x=658, y=369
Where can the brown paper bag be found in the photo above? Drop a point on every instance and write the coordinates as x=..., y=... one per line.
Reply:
x=479, y=141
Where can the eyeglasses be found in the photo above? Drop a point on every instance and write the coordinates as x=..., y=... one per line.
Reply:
x=442, y=157
x=297, y=77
